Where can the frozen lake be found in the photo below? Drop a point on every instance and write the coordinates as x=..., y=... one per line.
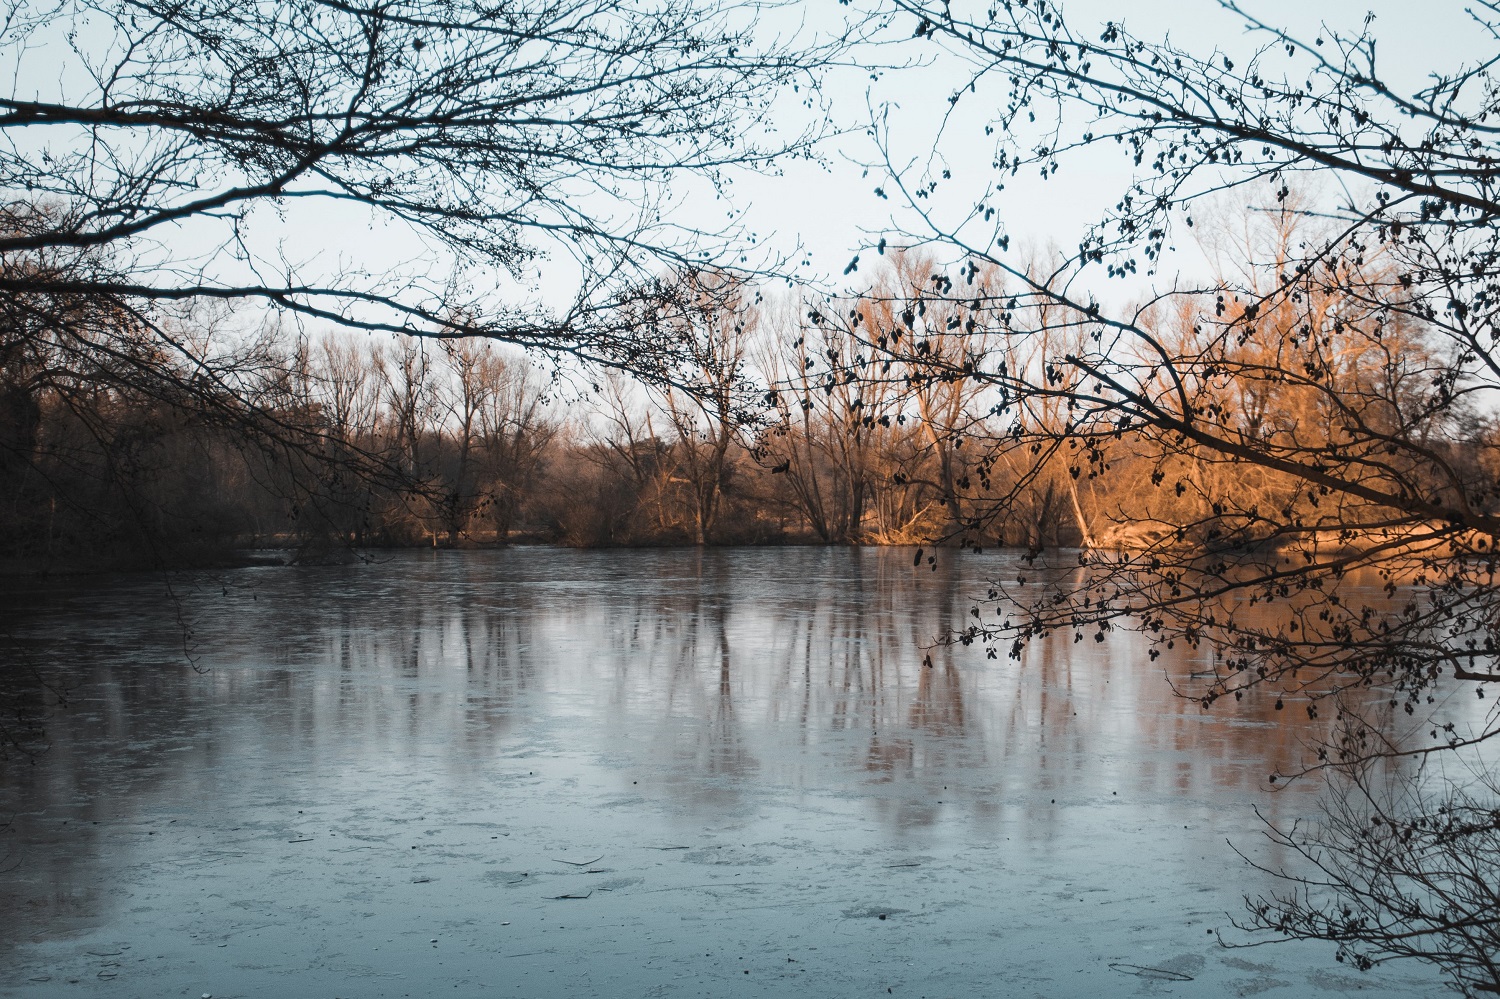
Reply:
x=544, y=772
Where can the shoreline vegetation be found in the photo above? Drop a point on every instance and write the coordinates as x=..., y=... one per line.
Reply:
x=793, y=431
x=777, y=430
x=773, y=425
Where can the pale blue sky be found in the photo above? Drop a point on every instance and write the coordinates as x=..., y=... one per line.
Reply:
x=830, y=209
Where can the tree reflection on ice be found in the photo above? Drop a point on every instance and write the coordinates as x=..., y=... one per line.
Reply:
x=756, y=741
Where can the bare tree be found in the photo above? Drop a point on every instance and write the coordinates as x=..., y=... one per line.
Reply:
x=932, y=341
x=158, y=154
x=348, y=388
x=464, y=396
x=1299, y=450
x=611, y=493
x=515, y=435
x=1370, y=339
x=480, y=130
x=835, y=408
x=1396, y=867
x=707, y=399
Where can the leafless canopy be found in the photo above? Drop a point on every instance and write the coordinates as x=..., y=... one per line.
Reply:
x=150, y=147
x=1291, y=464
x=1315, y=408
x=180, y=184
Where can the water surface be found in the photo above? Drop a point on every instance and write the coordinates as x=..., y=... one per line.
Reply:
x=544, y=772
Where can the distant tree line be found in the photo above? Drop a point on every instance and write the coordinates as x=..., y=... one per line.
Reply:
x=928, y=407
x=771, y=421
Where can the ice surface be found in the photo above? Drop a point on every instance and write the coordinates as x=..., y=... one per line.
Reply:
x=670, y=773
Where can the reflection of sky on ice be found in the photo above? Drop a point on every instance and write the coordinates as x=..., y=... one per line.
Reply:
x=749, y=741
